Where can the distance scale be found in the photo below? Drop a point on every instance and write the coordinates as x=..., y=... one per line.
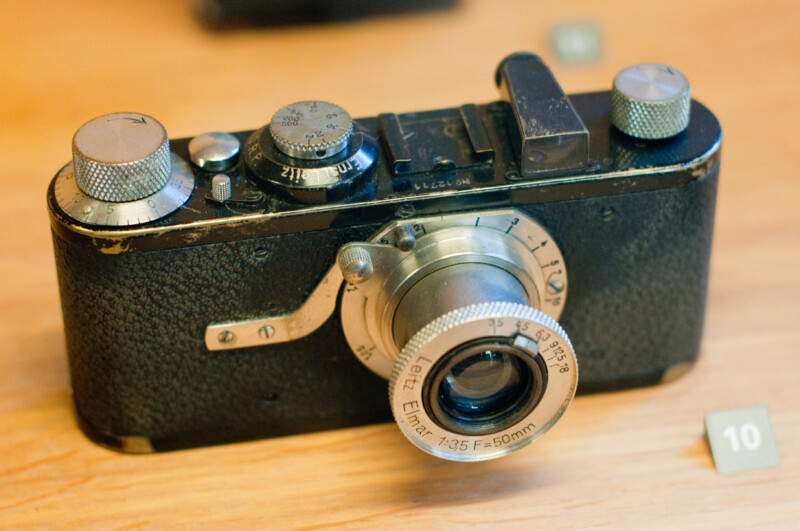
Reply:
x=545, y=263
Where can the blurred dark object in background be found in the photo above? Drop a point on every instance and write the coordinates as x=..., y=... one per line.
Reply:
x=224, y=14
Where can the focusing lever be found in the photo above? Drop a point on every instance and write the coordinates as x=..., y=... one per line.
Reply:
x=313, y=313
x=264, y=331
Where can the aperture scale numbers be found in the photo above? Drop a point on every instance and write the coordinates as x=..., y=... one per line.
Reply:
x=551, y=349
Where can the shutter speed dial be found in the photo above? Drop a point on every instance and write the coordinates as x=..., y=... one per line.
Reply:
x=310, y=151
x=311, y=129
x=122, y=172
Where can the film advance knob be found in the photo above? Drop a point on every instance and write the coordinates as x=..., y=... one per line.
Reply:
x=121, y=157
x=650, y=101
x=311, y=129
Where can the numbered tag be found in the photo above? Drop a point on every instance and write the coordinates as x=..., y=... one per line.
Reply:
x=741, y=439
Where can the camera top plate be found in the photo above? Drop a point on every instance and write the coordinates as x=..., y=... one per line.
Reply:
x=536, y=146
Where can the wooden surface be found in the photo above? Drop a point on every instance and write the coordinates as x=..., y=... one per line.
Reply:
x=634, y=459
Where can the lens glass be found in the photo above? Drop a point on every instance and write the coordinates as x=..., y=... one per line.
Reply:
x=484, y=387
x=485, y=382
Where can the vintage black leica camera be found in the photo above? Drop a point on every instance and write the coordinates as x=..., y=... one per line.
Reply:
x=263, y=283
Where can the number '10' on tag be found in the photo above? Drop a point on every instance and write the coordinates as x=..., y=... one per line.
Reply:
x=741, y=439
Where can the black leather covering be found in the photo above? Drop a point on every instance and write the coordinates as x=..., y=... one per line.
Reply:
x=637, y=264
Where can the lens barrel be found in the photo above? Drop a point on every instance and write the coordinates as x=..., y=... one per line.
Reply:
x=483, y=381
x=449, y=288
x=475, y=370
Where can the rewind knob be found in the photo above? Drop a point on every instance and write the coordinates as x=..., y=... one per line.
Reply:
x=122, y=172
x=121, y=157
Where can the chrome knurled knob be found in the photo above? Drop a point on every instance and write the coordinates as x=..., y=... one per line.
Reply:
x=311, y=129
x=221, y=187
x=121, y=157
x=650, y=101
x=355, y=262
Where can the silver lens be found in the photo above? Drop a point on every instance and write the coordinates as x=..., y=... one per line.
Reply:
x=476, y=370
x=483, y=381
x=449, y=288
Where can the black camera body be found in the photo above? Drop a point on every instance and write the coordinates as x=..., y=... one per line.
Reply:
x=155, y=312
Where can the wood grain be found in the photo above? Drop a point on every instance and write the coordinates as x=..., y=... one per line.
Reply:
x=636, y=459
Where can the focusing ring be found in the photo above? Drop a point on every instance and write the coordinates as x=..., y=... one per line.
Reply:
x=530, y=330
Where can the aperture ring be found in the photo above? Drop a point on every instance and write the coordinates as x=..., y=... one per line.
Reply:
x=497, y=319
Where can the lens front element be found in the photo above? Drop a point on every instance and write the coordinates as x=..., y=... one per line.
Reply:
x=482, y=386
x=483, y=381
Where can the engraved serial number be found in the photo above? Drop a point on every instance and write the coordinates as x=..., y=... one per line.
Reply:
x=326, y=175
